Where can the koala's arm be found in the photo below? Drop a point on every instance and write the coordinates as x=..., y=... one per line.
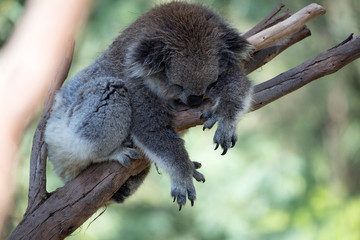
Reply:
x=153, y=134
x=231, y=96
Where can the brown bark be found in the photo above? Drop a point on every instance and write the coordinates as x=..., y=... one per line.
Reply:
x=266, y=54
x=286, y=27
x=325, y=63
x=68, y=207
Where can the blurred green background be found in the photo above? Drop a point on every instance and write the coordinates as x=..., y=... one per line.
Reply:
x=294, y=174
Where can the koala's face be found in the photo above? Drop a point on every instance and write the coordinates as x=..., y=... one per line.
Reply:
x=191, y=76
x=182, y=64
x=182, y=75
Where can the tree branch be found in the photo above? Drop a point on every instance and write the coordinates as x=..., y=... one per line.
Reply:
x=284, y=28
x=266, y=54
x=68, y=207
x=324, y=64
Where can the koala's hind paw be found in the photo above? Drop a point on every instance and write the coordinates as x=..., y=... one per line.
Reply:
x=132, y=153
x=125, y=155
x=181, y=189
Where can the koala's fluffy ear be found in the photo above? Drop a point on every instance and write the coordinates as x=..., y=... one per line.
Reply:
x=235, y=48
x=147, y=57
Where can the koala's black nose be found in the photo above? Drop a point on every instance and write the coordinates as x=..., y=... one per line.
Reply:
x=194, y=100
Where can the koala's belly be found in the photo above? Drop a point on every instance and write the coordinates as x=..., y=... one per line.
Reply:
x=62, y=139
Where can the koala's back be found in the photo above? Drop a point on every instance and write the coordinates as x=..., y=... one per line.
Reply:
x=86, y=110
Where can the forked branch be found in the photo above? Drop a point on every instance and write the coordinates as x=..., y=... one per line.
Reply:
x=286, y=27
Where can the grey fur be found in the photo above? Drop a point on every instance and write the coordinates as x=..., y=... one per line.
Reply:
x=177, y=53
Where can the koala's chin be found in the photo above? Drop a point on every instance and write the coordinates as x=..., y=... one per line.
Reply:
x=175, y=54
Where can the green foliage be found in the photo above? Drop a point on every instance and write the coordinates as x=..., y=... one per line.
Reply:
x=292, y=175
x=10, y=12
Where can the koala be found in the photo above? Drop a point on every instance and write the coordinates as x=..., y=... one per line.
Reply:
x=177, y=54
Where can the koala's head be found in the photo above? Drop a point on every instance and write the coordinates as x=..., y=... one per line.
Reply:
x=183, y=52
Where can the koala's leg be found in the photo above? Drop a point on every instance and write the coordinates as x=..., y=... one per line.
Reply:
x=153, y=134
x=93, y=128
x=232, y=95
x=130, y=186
x=167, y=150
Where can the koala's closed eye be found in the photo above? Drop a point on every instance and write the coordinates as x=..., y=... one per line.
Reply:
x=178, y=87
x=211, y=86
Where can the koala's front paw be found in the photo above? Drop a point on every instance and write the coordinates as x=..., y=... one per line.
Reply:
x=225, y=134
x=180, y=188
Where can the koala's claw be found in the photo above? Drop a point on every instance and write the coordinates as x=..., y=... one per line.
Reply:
x=209, y=123
x=198, y=176
x=224, y=145
x=224, y=149
x=233, y=141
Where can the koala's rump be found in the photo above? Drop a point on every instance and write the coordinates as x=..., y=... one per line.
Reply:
x=88, y=126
